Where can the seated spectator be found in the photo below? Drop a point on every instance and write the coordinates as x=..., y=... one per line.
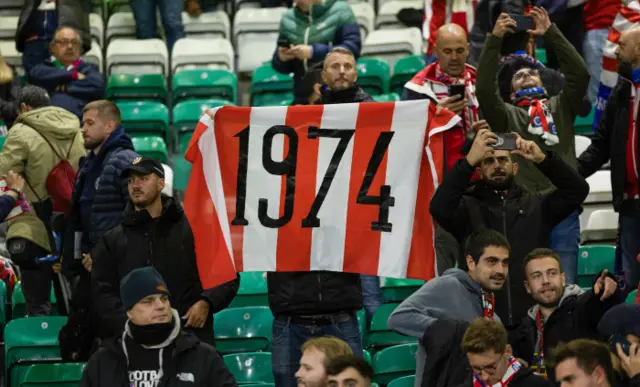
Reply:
x=41, y=136
x=9, y=89
x=308, y=32
x=153, y=349
x=144, y=11
x=71, y=82
x=621, y=324
x=491, y=358
x=430, y=315
x=584, y=363
x=536, y=116
x=317, y=353
x=349, y=371
x=339, y=75
x=497, y=202
x=39, y=20
x=563, y=312
x=8, y=200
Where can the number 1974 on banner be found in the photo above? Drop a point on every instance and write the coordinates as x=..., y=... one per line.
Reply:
x=287, y=167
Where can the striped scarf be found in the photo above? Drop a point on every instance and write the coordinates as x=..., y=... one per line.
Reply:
x=470, y=115
x=541, y=121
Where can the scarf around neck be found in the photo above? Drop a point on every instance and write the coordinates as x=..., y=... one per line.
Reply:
x=514, y=367
x=488, y=305
x=540, y=118
x=59, y=65
x=466, y=79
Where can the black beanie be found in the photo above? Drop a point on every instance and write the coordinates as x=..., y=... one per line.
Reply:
x=141, y=283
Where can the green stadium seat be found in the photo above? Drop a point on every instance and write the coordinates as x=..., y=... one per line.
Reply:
x=19, y=307
x=140, y=87
x=390, y=97
x=245, y=329
x=361, y=315
x=2, y=140
x=592, y=259
x=181, y=172
x=252, y=291
x=404, y=69
x=396, y=290
x=186, y=115
x=366, y=355
x=381, y=336
x=405, y=381
x=541, y=55
x=145, y=117
x=266, y=79
x=205, y=83
x=373, y=75
x=631, y=297
x=272, y=99
x=152, y=146
x=3, y=302
x=30, y=341
x=259, y=385
x=250, y=368
x=53, y=375
x=584, y=125
x=394, y=362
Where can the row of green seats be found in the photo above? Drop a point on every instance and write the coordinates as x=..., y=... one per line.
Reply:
x=54, y=374
x=592, y=259
x=186, y=84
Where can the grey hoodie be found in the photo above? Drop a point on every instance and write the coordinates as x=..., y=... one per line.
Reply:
x=454, y=295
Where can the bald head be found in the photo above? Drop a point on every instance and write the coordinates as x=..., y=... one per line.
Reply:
x=452, y=49
x=628, y=51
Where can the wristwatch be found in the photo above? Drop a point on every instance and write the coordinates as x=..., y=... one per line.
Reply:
x=18, y=192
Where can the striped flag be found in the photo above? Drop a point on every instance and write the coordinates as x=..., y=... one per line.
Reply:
x=440, y=12
x=628, y=17
x=343, y=188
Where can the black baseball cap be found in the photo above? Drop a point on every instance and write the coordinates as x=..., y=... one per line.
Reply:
x=144, y=166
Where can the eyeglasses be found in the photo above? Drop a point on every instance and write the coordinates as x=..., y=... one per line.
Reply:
x=522, y=74
x=66, y=42
x=490, y=368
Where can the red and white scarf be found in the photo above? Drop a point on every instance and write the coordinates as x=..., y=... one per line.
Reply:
x=488, y=305
x=541, y=121
x=514, y=367
x=470, y=115
x=440, y=12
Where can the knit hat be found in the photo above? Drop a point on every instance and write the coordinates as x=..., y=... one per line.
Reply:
x=141, y=283
x=623, y=319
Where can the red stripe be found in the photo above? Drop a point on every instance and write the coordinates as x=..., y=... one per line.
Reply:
x=294, y=242
x=629, y=14
x=230, y=121
x=614, y=35
x=362, y=244
x=438, y=18
x=422, y=254
x=214, y=263
x=610, y=64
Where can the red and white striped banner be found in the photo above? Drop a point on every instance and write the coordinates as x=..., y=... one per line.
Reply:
x=343, y=188
x=440, y=12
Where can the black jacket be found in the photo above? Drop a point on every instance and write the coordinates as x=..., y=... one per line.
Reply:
x=165, y=243
x=447, y=364
x=525, y=377
x=524, y=218
x=190, y=358
x=576, y=317
x=610, y=142
x=318, y=292
x=72, y=13
x=8, y=96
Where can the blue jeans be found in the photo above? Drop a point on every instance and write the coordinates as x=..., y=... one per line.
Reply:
x=565, y=240
x=288, y=338
x=147, y=25
x=371, y=295
x=594, y=41
x=630, y=241
x=35, y=52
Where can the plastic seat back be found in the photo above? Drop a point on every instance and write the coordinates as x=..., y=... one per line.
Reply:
x=394, y=289
x=151, y=146
x=404, y=70
x=381, y=336
x=151, y=87
x=592, y=259
x=205, y=83
x=186, y=115
x=54, y=375
x=245, y=329
x=250, y=368
x=253, y=290
x=584, y=125
x=394, y=362
x=373, y=75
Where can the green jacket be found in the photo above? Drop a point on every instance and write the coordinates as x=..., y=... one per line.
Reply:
x=27, y=153
x=504, y=117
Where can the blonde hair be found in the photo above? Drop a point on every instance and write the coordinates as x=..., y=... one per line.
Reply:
x=332, y=347
x=6, y=72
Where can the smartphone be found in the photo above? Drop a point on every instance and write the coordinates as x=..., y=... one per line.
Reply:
x=283, y=42
x=505, y=141
x=618, y=338
x=457, y=90
x=523, y=22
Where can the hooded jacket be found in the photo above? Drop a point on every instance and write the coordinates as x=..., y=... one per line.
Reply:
x=576, y=317
x=525, y=219
x=504, y=117
x=165, y=243
x=453, y=296
x=64, y=87
x=27, y=153
x=110, y=197
x=329, y=24
x=191, y=363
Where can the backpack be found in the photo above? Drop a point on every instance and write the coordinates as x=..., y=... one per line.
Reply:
x=59, y=182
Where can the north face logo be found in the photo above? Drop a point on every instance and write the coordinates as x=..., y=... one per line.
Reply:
x=186, y=377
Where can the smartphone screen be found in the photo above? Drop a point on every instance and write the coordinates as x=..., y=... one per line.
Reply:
x=505, y=141
x=523, y=22
x=457, y=90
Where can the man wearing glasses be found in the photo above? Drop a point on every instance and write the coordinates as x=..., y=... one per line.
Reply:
x=491, y=358
x=70, y=81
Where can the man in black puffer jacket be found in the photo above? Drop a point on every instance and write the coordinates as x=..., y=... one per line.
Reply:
x=151, y=349
x=318, y=303
x=154, y=232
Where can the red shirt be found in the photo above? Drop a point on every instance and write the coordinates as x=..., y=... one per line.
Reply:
x=599, y=14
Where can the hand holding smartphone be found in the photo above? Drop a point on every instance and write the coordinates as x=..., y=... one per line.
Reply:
x=505, y=141
x=457, y=90
x=523, y=22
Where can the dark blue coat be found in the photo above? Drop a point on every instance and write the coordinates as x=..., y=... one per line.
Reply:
x=6, y=206
x=111, y=195
x=65, y=91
